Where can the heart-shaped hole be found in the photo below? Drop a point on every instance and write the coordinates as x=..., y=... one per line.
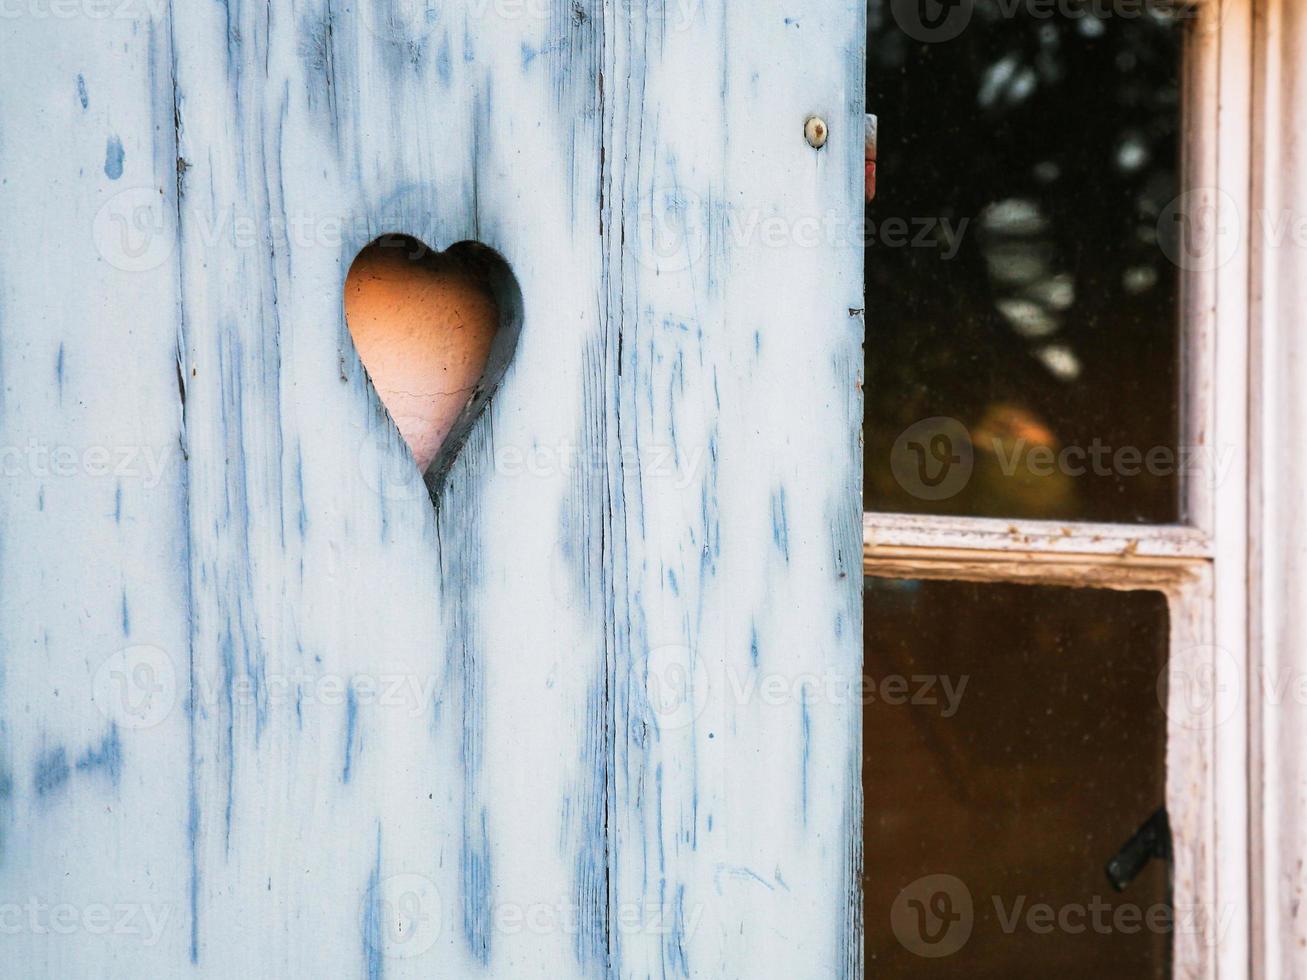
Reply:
x=435, y=332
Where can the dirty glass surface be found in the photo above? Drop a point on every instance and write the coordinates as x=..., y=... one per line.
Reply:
x=1014, y=742
x=1023, y=261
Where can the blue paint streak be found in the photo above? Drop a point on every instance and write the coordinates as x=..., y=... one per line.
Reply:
x=193, y=842
x=229, y=735
x=81, y=92
x=476, y=893
x=444, y=65
x=780, y=525
x=113, y=158
x=805, y=724
x=674, y=948
x=59, y=370
x=108, y=757
x=373, y=949
x=592, y=932
x=303, y=519
x=126, y=616
x=52, y=771
x=351, y=730
x=6, y=794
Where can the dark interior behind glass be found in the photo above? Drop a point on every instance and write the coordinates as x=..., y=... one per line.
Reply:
x=1016, y=287
x=1014, y=742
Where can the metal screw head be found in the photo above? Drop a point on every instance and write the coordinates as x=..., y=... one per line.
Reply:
x=817, y=132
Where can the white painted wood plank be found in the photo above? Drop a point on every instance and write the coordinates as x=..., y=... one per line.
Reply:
x=734, y=805
x=341, y=828
x=93, y=581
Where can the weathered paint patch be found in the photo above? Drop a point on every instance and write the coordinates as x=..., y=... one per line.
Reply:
x=52, y=771
x=113, y=158
x=107, y=758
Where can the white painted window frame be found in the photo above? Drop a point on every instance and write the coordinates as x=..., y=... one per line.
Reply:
x=1277, y=515
x=1201, y=565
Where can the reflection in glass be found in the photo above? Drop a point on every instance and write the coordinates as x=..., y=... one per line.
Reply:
x=1014, y=741
x=1017, y=292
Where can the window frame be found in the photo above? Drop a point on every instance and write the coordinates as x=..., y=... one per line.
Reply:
x=1202, y=564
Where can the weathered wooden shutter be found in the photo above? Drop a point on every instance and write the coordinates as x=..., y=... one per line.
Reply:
x=588, y=714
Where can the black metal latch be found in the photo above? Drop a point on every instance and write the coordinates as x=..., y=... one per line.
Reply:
x=1151, y=840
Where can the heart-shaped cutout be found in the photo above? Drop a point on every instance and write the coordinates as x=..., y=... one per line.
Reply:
x=435, y=332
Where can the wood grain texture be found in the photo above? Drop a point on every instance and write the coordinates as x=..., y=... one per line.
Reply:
x=519, y=732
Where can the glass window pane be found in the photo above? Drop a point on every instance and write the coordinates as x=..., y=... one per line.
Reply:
x=1023, y=354
x=1014, y=741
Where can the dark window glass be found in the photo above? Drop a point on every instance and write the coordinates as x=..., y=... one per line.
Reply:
x=1014, y=741
x=1023, y=355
